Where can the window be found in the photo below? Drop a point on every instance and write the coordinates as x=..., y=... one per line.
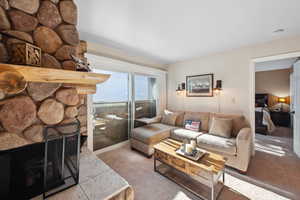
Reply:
x=132, y=92
x=145, y=87
x=115, y=89
x=145, y=97
x=111, y=110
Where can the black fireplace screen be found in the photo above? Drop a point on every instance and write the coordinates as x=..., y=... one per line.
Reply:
x=61, y=161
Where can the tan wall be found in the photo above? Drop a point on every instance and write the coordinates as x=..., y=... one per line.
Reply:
x=102, y=50
x=276, y=82
x=233, y=67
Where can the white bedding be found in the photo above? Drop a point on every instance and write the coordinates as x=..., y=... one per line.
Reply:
x=267, y=121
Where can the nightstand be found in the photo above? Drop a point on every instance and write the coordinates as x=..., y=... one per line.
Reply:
x=281, y=118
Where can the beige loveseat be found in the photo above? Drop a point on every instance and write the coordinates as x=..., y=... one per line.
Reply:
x=237, y=148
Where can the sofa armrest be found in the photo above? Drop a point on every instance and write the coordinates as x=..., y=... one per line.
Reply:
x=244, y=147
x=152, y=120
x=244, y=135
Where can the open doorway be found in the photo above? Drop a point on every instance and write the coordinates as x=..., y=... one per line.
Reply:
x=273, y=97
x=275, y=164
x=274, y=106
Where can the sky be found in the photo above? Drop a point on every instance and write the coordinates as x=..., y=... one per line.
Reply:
x=116, y=88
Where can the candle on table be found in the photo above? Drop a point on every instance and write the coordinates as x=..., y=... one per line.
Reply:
x=193, y=144
x=189, y=148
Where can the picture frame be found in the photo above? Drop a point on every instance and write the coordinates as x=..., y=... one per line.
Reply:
x=200, y=85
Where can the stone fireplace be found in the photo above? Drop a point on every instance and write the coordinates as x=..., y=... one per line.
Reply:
x=24, y=116
x=50, y=25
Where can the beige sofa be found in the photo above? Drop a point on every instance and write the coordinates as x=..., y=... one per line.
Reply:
x=236, y=149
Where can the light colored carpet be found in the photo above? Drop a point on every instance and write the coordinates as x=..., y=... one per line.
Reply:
x=273, y=174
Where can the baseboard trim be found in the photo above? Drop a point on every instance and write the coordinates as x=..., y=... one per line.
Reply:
x=113, y=147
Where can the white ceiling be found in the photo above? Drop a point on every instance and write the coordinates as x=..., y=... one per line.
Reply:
x=275, y=65
x=174, y=30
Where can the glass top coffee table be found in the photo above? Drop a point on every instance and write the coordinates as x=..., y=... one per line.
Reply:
x=201, y=177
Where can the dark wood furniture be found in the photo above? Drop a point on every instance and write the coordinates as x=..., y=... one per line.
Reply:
x=281, y=118
x=259, y=126
x=261, y=100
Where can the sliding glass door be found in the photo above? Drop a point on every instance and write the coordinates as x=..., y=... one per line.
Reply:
x=111, y=110
x=118, y=102
x=145, y=97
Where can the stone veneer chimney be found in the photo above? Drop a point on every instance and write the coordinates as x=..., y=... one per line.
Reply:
x=50, y=25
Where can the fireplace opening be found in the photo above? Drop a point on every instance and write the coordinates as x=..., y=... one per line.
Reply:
x=42, y=168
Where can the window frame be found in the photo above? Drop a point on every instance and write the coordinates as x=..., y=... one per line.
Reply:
x=108, y=64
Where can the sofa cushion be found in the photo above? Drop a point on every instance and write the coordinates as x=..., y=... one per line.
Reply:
x=238, y=121
x=179, y=121
x=152, y=120
x=180, y=134
x=221, y=127
x=217, y=144
x=152, y=133
x=169, y=118
x=199, y=116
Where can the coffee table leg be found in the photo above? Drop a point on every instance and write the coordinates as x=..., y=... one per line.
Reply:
x=212, y=192
x=224, y=176
x=154, y=164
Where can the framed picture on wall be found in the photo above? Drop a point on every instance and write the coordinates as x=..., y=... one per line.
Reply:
x=200, y=85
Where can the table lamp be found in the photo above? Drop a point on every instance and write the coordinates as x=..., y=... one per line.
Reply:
x=281, y=100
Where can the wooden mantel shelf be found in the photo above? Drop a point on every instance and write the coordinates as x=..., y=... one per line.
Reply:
x=49, y=75
x=84, y=82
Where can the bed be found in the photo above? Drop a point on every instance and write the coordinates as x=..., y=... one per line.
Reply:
x=263, y=122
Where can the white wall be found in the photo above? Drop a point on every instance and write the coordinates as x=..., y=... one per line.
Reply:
x=275, y=82
x=233, y=68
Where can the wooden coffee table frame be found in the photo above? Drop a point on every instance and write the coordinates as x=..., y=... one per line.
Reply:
x=204, y=171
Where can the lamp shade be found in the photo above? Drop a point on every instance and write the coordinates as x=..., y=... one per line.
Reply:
x=282, y=100
x=219, y=84
x=183, y=86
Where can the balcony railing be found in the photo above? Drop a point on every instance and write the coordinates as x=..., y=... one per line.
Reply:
x=112, y=121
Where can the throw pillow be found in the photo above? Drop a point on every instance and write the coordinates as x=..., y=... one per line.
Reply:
x=169, y=118
x=203, y=117
x=221, y=127
x=180, y=119
x=192, y=125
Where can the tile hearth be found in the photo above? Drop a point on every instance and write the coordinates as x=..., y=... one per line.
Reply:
x=97, y=181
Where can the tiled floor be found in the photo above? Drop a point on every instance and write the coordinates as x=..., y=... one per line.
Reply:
x=97, y=181
x=274, y=173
